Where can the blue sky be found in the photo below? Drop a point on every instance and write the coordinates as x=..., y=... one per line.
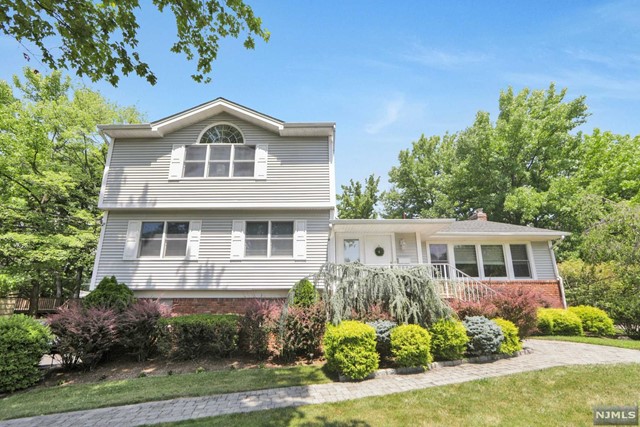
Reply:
x=387, y=72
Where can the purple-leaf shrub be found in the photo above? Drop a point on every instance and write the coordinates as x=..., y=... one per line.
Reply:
x=138, y=327
x=259, y=327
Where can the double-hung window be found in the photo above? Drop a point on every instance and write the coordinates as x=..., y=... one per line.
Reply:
x=466, y=259
x=520, y=261
x=220, y=153
x=493, y=263
x=268, y=239
x=164, y=239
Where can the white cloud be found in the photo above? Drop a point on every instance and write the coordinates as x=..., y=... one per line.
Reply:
x=436, y=58
x=390, y=115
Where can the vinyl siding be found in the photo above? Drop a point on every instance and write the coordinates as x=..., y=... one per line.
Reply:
x=410, y=251
x=213, y=270
x=298, y=172
x=543, y=260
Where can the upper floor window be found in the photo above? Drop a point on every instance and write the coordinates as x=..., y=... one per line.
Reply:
x=220, y=153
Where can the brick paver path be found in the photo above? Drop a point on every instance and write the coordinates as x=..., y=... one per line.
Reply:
x=546, y=354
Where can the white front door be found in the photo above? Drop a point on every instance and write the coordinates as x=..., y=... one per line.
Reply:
x=380, y=243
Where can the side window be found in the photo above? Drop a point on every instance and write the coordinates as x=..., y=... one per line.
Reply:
x=466, y=260
x=520, y=261
x=438, y=253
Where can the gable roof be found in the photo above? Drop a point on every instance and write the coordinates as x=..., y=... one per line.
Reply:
x=201, y=112
x=489, y=228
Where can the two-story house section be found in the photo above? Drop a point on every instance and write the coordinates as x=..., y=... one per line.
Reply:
x=215, y=205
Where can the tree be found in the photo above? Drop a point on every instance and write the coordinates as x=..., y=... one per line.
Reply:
x=358, y=202
x=99, y=39
x=51, y=162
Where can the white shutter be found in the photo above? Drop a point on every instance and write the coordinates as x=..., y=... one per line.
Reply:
x=300, y=239
x=262, y=155
x=133, y=237
x=237, y=240
x=193, y=245
x=177, y=158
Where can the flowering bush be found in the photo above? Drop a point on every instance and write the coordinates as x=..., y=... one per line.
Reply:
x=411, y=345
x=448, y=339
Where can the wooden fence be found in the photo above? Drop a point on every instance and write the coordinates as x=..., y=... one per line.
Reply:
x=9, y=306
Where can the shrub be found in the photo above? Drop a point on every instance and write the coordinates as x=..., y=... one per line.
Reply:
x=110, y=294
x=350, y=349
x=198, y=335
x=511, y=342
x=84, y=335
x=371, y=314
x=304, y=293
x=302, y=331
x=259, y=328
x=383, y=336
x=23, y=342
x=520, y=306
x=138, y=327
x=624, y=307
x=594, y=320
x=464, y=309
x=448, y=339
x=485, y=336
x=556, y=321
x=411, y=345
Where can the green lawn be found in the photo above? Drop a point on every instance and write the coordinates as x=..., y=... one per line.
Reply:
x=557, y=396
x=632, y=344
x=112, y=393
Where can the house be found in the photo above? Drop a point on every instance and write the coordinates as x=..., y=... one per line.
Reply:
x=219, y=204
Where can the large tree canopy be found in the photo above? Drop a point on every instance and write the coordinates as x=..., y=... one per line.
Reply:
x=100, y=39
x=51, y=162
x=358, y=201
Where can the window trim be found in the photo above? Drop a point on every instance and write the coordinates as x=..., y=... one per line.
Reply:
x=163, y=241
x=269, y=255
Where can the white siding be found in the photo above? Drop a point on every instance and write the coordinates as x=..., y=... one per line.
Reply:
x=410, y=251
x=213, y=270
x=298, y=172
x=543, y=260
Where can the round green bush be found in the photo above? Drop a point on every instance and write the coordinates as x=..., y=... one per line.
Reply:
x=594, y=320
x=350, y=349
x=23, y=342
x=556, y=321
x=511, y=342
x=411, y=345
x=485, y=336
x=110, y=294
x=448, y=339
x=304, y=293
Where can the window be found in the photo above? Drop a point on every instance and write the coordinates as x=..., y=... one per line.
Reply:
x=520, y=261
x=438, y=253
x=220, y=153
x=268, y=239
x=351, y=250
x=166, y=239
x=493, y=261
x=466, y=260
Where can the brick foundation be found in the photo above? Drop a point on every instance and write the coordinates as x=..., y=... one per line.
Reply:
x=548, y=289
x=182, y=306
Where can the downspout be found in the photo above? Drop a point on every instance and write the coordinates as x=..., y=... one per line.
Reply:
x=557, y=273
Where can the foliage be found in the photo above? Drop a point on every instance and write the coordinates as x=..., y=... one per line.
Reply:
x=511, y=342
x=594, y=320
x=110, y=294
x=383, y=336
x=448, y=339
x=409, y=295
x=411, y=345
x=51, y=163
x=23, y=342
x=357, y=202
x=138, y=327
x=556, y=321
x=198, y=335
x=371, y=314
x=302, y=331
x=589, y=284
x=350, y=349
x=485, y=337
x=100, y=40
x=520, y=306
x=83, y=335
x=464, y=309
x=625, y=309
x=304, y=293
x=259, y=328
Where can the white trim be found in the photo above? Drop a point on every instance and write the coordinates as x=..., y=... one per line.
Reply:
x=132, y=240
x=558, y=277
x=419, y=248
x=236, y=250
x=261, y=161
x=105, y=172
x=164, y=240
x=300, y=239
x=332, y=171
x=193, y=239
x=96, y=261
x=210, y=205
x=176, y=162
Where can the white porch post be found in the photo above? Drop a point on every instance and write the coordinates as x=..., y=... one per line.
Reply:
x=419, y=247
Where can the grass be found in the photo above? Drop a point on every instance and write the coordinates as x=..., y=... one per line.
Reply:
x=556, y=396
x=632, y=344
x=113, y=393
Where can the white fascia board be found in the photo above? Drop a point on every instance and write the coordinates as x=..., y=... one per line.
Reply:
x=96, y=261
x=308, y=129
x=214, y=206
x=554, y=234
x=393, y=221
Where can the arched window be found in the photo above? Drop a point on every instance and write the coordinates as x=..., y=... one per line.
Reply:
x=220, y=153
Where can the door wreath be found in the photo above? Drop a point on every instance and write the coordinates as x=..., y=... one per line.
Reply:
x=379, y=251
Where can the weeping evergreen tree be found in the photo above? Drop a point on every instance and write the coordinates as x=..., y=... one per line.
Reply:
x=410, y=295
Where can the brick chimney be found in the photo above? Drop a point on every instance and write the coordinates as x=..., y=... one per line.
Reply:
x=478, y=215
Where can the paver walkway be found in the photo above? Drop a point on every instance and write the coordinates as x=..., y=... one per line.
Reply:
x=546, y=354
